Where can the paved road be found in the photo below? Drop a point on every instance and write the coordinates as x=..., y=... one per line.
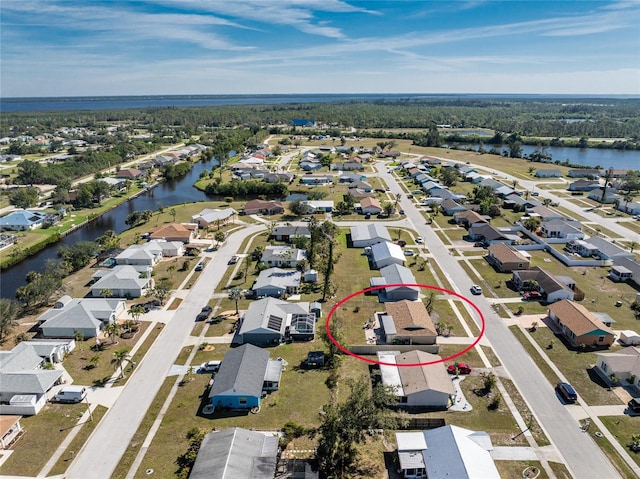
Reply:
x=581, y=455
x=101, y=454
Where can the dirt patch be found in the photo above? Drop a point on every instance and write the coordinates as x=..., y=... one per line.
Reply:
x=208, y=347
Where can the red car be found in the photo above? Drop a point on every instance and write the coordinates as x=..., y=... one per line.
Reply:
x=401, y=243
x=532, y=295
x=463, y=368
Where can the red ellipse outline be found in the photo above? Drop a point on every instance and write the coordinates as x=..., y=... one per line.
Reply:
x=427, y=286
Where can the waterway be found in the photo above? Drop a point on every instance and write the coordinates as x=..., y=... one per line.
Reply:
x=591, y=157
x=165, y=194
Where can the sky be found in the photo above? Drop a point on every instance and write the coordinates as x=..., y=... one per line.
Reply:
x=161, y=47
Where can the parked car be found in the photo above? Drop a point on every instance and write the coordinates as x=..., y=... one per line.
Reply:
x=379, y=190
x=207, y=309
x=409, y=252
x=532, y=295
x=463, y=368
x=401, y=243
x=410, y=196
x=475, y=289
x=200, y=266
x=634, y=405
x=233, y=260
x=535, y=193
x=401, y=212
x=307, y=219
x=567, y=392
x=70, y=394
x=417, y=192
x=367, y=216
x=419, y=240
x=209, y=367
x=202, y=316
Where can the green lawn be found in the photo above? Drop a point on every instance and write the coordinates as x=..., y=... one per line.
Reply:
x=623, y=427
x=515, y=469
x=43, y=434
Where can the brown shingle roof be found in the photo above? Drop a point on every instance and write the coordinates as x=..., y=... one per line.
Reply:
x=506, y=254
x=422, y=378
x=369, y=202
x=577, y=318
x=173, y=230
x=411, y=317
x=470, y=216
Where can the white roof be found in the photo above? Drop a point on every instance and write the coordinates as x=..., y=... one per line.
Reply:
x=385, y=249
x=390, y=374
x=320, y=204
x=369, y=231
x=410, y=441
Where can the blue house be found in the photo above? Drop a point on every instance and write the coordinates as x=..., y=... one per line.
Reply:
x=22, y=220
x=244, y=374
x=303, y=122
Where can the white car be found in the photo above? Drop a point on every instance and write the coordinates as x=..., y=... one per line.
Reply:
x=475, y=289
x=409, y=252
x=419, y=240
x=210, y=366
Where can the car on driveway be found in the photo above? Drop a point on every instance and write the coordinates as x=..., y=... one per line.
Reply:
x=463, y=368
x=475, y=289
x=419, y=240
x=401, y=243
x=566, y=391
x=307, y=219
x=532, y=296
x=409, y=252
x=209, y=367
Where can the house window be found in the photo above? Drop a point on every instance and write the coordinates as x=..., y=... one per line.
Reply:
x=242, y=401
x=403, y=399
x=603, y=366
x=600, y=339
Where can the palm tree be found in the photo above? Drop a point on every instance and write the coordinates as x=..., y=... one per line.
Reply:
x=430, y=299
x=112, y=330
x=234, y=295
x=106, y=293
x=136, y=311
x=173, y=213
x=78, y=336
x=633, y=245
x=119, y=358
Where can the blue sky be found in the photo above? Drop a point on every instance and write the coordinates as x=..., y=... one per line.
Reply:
x=113, y=47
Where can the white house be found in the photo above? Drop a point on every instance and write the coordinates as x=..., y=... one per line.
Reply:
x=214, y=217
x=270, y=321
x=396, y=274
x=447, y=451
x=283, y=256
x=368, y=234
x=624, y=364
x=421, y=386
x=277, y=282
x=122, y=281
x=88, y=316
x=386, y=253
x=320, y=206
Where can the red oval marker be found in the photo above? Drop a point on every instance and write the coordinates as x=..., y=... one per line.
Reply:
x=428, y=286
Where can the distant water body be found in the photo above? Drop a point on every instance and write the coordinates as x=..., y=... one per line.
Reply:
x=8, y=105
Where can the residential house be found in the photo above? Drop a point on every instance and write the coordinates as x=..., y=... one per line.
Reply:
x=129, y=173
x=140, y=255
x=426, y=386
x=579, y=325
x=316, y=180
x=235, y=453
x=469, y=217
x=506, y=259
x=605, y=197
x=347, y=166
x=407, y=322
x=489, y=234
x=370, y=206
x=351, y=177
x=559, y=228
x=385, y=253
x=310, y=164
x=282, y=177
x=548, y=173
x=620, y=273
x=361, y=185
x=629, y=207
x=182, y=233
x=22, y=220
x=88, y=316
x=282, y=256
x=262, y=207
x=394, y=274
x=505, y=191
x=584, y=173
x=581, y=247
x=518, y=203
x=631, y=265
x=623, y=364
x=115, y=184
x=319, y=206
x=544, y=213
x=270, y=321
x=303, y=122
x=358, y=194
x=287, y=233
x=446, y=194
x=368, y=234
x=10, y=427
x=555, y=288
x=584, y=185
x=210, y=217
x=277, y=282
x=450, y=207
x=606, y=250
x=121, y=282
x=449, y=451
x=24, y=381
x=245, y=372
x=296, y=197
x=491, y=183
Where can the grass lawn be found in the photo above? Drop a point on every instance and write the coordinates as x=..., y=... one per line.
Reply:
x=529, y=419
x=623, y=427
x=496, y=280
x=78, y=442
x=617, y=461
x=277, y=408
x=535, y=356
x=78, y=365
x=560, y=470
x=43, y=434
x=511, y=469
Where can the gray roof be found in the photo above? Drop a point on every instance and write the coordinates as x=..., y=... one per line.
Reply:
x=121, y=277
x=29, y=382
x=365, y=232
x=80, y=313
x=456, y=452
x=270, y=314
x=236, y=453
x=397, y=274
x=609, y=249
x=385, y=249
x=277, y=278
x=242, y=371
x=291, y=231
x=282, y=253
x=22, y=357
